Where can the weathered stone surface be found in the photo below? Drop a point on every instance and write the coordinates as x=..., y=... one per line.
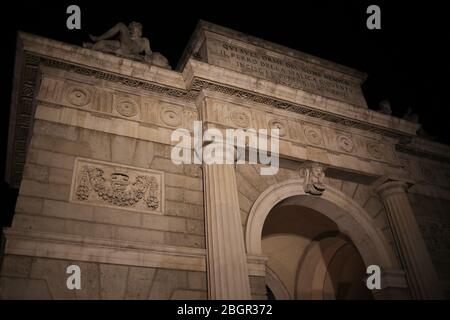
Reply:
x=195, y=226
x=16, y=266
x=166, y=282
x=67, y=210
x=184, y=195
x=166, y=165
x=185, y=182
x=165, y=223
x=54, y=273
x=51, y=159
x=197, y=280
x=36, y=173
x=139, y=283
x=60, y=176
x=99, y=144
x=116, y=216
x=113, y=281
x=29, y=205
x=90, y=288
x=60, y=145
x=21, y=288
x=122, y=149
x=45, y=190
x=184, y=240
x=56, y=130
x=188, y=295
x=181, y=209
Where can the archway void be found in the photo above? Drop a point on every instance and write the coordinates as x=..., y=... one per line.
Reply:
x=308, y=257
x=332, y=236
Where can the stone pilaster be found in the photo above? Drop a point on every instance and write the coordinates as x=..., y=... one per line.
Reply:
x=421, y=275
x=226, y=257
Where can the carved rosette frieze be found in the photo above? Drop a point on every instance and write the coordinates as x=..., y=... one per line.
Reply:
x=313, y=135
x=375, y=150
x=280, y=125
x=312, y=176
x=171, y=116
x=113, y=185
x=78, y=95
x=344, y=143
x=126, y=105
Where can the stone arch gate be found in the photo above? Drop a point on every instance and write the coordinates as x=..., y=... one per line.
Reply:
x=74, y=107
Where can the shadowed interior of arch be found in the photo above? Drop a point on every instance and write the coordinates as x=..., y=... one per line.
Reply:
x=310, y=258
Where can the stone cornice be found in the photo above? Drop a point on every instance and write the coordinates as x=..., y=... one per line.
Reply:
x=426, y=149
x=34, y=52
x=199, y=84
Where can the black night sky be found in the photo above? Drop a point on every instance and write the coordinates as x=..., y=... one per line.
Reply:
x=407, y=61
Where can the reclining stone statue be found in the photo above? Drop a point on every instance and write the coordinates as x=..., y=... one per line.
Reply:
x=127, y=42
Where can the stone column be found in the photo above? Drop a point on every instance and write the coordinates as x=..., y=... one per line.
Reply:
x=226, y=257
x=421, y=275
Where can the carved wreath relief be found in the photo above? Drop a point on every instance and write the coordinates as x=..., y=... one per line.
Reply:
x=113, y=185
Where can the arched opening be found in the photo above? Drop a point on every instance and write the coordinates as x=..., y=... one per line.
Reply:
x=332, y=238
x=311, y=258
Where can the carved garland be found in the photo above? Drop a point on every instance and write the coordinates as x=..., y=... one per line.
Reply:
x=91, y=178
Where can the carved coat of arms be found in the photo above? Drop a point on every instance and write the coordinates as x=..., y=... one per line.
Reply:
x=100, y=183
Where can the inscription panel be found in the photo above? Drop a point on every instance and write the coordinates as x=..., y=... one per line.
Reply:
x=113, y=185
x=285, y=70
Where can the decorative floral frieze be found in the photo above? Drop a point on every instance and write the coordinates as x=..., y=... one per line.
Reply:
x=374, y=149
x=278, y=124
x=313, y=135
x=344, y=143
x=113, y=185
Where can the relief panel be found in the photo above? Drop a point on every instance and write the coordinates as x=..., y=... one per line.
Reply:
x=113, y=185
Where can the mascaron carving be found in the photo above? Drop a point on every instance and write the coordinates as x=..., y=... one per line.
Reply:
x=106, y=184
x=313, y=175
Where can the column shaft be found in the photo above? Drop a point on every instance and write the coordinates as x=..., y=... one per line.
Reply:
x=226, y=257
x=421, y=275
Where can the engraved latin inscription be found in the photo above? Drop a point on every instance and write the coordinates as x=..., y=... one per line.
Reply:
x=285, y=70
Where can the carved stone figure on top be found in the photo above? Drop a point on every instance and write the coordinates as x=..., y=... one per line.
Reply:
x=385, y=107
x=410, y=115
x=127, y=42
x=414, y=117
